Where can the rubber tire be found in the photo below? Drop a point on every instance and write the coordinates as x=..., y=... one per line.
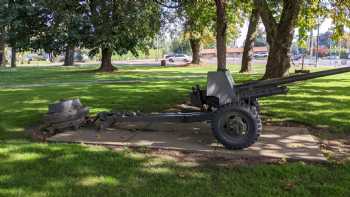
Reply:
x=255, y=108
x=254, y=128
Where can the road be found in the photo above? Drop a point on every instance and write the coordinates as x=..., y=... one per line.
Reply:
x=322, y=62
x=308, y=62
x=213, y=61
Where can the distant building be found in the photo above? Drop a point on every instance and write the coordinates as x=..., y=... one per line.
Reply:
x=231, y=52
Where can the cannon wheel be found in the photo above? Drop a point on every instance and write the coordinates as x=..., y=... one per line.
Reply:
x=236, y=126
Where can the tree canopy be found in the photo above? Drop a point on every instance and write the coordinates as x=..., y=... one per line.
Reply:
x=280, y=19
x=122, y=26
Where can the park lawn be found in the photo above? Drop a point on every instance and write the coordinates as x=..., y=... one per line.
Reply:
x=28, y=168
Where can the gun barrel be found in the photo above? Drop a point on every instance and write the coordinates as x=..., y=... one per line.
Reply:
x=263, y=92
x=292, y=79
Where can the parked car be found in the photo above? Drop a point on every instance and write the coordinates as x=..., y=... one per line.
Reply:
x=168, y=56
x=179, y=57
x=261, y=55
x=34, y=57
x=332, y=57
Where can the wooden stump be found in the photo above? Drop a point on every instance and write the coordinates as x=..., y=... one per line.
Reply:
x=163, y=63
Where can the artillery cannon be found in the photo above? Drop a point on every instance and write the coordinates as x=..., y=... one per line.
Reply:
x=232, y=110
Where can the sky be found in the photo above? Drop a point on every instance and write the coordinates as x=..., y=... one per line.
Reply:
x=323, y=28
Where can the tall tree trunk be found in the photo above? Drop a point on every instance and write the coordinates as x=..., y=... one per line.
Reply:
x=2, y=52
x=106, y=65
x=278, y=62
x=279, y=36
x=13, y=57
x=195, y=46
x=221, y=28
x=69, y=56
x=248, y=52
x=51, y=57
x=2, y=57
x=2, y=48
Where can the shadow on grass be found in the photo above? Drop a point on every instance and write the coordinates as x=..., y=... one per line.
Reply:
x=72, y=170
x=24, y=107
x=47, y=75
x=319, y=102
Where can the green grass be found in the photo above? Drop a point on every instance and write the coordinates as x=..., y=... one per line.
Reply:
x=324, y=101
x=72, y=170
x=34, y=169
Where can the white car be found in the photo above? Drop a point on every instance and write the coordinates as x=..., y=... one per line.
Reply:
x=332, y=57
x=179, y=57
x=261, y=55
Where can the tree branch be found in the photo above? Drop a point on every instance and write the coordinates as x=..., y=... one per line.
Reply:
x=290, y=13
x=266, y=16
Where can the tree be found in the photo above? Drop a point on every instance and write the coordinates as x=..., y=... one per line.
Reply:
x=228, y=18
x=221, y=24
x=248, y=52
x=120, y=26
x=2, y=48
x=339, y=11
x=21, y=22
x=200, y=23
x=179, y=45
x=65, y=25
x=221, y=33
x=65, y=28
x=279, y=31
x=280, y=18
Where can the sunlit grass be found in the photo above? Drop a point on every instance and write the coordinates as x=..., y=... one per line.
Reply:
x=322, y=101
x=72, y=170
x=33, y=169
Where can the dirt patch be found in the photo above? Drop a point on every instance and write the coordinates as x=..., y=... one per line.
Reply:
x=335, y=146
x=196, y=140
x=189, y=158
x=337, y=150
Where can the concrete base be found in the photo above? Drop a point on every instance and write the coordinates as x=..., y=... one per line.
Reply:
x=291, y=143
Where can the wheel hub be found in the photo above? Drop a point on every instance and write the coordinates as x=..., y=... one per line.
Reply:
x=235, y=126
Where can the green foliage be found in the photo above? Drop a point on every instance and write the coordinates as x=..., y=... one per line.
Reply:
x=180, y=45
x=309, y=16
x=235, y=12
x=340, y=14
x=21, y=21
x=66, y=25
x=315, y=11
x=200, y=20
x=151, y=54
x=39, y=169
x=124, y=26
x=45, y=24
